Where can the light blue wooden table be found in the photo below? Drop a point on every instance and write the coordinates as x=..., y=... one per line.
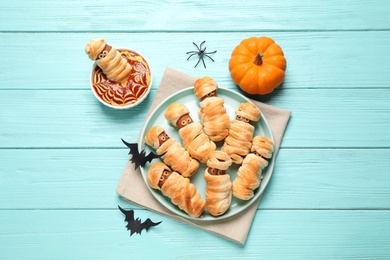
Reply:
x=61, y=156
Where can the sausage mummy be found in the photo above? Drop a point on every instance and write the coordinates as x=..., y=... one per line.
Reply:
x=108, y=58
x=239, y=141
x=218, y=184
x=249, y=174
x=171, y=151
x=212, y=113
x=195, y=141
x=176, y=187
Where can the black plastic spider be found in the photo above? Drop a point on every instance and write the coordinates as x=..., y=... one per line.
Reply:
x=201, y=53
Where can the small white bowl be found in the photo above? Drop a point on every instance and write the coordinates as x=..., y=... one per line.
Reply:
x=139, y=100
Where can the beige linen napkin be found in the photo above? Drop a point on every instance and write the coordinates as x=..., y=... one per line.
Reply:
x=133, y=188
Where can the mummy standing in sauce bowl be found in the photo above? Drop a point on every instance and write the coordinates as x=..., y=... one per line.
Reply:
x=120, y=78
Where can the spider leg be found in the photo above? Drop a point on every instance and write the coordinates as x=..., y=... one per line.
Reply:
x=200, y=47
x=210, y=52
x=204, y=64
x=196, y=46
x=191, y=55
x=191, y=52
x=198, y=62
x=208, y=57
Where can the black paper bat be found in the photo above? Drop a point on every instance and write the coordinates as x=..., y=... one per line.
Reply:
x=139, y=159
x=135, y=225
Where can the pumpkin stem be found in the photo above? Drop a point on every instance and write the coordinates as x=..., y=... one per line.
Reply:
x=258, y=59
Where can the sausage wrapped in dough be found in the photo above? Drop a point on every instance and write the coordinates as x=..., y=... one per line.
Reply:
x=176, y=187
x=195, y=141
x=249, y=174
x=108, y=58
x=218, y=185
x=171, y=151
x=239, y=141
x=212, y=113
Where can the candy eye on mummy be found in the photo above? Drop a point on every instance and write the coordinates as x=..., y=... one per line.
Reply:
x=212, y=94
x=103, y=54
x=185, y=120
x=164, y=175
x=215, y=171
x=162, y=138
x=243, y=119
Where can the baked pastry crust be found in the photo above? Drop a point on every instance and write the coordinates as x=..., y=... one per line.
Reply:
x=263, y=146
x=239, y=141
x=175, y=111
x=249, y=174
x=214, y=118
x=212, y=113
x=113, y=65
x=204, y=86
x=218, y=187
x=219, y=160
x=94, y=48
x=195, y=141
x=249, y=111
x=178, y=188
x=172, y=153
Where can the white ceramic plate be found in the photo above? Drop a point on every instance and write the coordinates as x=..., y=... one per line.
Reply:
x=187, y=97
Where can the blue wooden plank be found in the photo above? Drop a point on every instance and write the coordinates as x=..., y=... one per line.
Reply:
x=75, y=119
x=87, y=178
x=314, y=59
x=61, y=155
x=120, y=15
x=276, y=234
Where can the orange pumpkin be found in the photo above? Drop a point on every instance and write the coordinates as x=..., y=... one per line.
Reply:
x=257, y=65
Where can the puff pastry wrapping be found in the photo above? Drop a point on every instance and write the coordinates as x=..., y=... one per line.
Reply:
x=174, y=111
x=214, y=118
x=218, y=187
x=172, y=152
x=174, y=155
x=112, y=63
x=183, y=194
x=239, y=141
x=204, y=86
x=249, y=174
x=249, y=111
x=218, y=193
x=212, y=113
x=196, y=142
x=178, y=188
x=115, y=66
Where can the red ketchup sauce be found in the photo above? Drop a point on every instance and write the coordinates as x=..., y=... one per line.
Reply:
x=128, y=92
